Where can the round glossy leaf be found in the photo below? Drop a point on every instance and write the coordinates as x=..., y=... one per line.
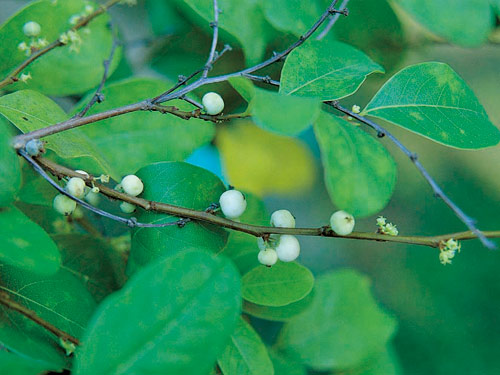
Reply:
x=279, y=285
x=360, y=174
x=180, y=312
x=343, y=327
x=183, y=185
x=10, y=170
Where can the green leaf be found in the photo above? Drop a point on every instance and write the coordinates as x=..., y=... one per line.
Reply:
x=430, y=99
x=246, y=354
x=326, y=70
x=60, y=299
x=243, y=19
x=25, y=245
x=29, y=110
x=35, y=189
x=360, y=174
x=180, y=312
x=10, y=169
x=284, y=114
x=13, y=364
x=279, y=285
x=286, y=365
x=280, y=313
x=383, y=363
x=380, y=36
x=183, y=185
x=60, y=72
x=463, y=22
x=134, y=140
x=293, y=16
x=343, y=327
x=93, y=261
x=165, y=19
x=241, y=247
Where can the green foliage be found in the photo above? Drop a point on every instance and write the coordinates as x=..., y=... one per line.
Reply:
x=93, y=261
x=11, y=363
x=294, y=115
x=37, y=253
x=279, y=285
x=60, y=299
x=432, y=100
x=10, y=170
x=246, y=354
x=359, y=172
x=186, y=303
x=342, y=328
x=325, y=70
x=241, y=19
x=60, y=72
x=134, y=140
x=29, y=110
x=183, y=185
x=198, y=301
x=464, y=22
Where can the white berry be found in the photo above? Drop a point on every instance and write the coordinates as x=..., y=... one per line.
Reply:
x=31, y=29
x=232, y=203
x=342, y=223
x=76, y=187
x=213, y=103
x=64, y=205
x=282, y=219
x=34, y=147
x=92, y=198
x=288, y=248
x=261, y=244
x=268, y=257
x=127, y=207
x=132, y=185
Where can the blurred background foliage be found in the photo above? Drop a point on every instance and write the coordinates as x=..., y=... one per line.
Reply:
x=448, y=316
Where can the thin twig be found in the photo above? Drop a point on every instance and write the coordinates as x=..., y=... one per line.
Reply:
x=12, y=76
x=254, y=230
x=98, y=97
x=263, y=79
x=438, y=192
x=213, y=47
x=131, y=222
x=192, y=101
x=276, y=57
x=333, y=20
x=31, y=315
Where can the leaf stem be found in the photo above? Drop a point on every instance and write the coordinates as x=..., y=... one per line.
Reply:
x=30, y=314
x=255, y=230
x=12, y=76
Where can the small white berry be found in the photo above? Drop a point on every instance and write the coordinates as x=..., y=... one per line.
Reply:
x=132, y=185
x=34, y=147
x=64, y=205
x=77, y=213
x=127, y=207
x=31, y=28
x=282, y=219
x=288, y=248
x=213, y=103
x=232, y=203
x=342, y=223
x=76, y=187
x=92, y=198
x=268, y=257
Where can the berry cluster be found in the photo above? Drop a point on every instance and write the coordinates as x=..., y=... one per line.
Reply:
x=77, y=188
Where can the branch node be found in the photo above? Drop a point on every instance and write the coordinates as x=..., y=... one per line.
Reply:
x=413, y=157
x=132, y=222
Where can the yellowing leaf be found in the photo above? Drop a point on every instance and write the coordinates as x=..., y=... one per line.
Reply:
x=265, y=163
